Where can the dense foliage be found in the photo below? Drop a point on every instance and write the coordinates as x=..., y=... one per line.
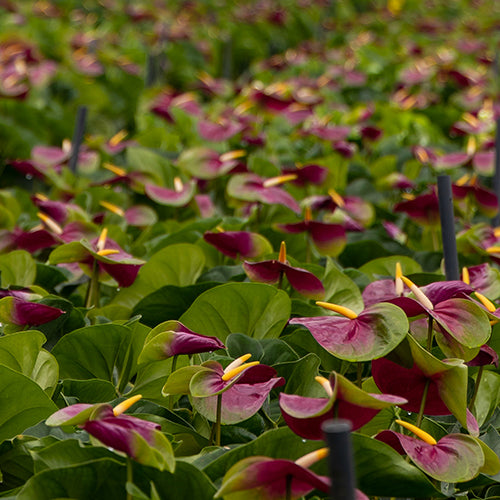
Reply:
x=246, y=244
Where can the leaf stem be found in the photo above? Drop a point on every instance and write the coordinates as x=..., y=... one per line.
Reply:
x=130, y=476
x=420, y=415
x=218, y=419
x=172, y=370
x=359, y=374
x=93, y=289
x=476, y=387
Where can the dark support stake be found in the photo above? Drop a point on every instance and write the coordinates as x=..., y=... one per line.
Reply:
x=81, y=118
x=338, y=437
x=448, y=227
x=496, y=176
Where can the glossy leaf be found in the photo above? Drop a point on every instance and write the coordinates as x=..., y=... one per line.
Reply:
x=255, y=309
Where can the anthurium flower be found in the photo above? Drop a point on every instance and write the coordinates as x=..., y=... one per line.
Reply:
x=220, y=130
x=180, y=196
x=139, y=439
x=459, y=320
x=372, y=333
x=468, y=187
x=272, y=271
x=305, y=415
x=109, y=256
x=172, y=338
x=20, y=311
x=238, y=244
x=271, y=478
x=205, y=163
x=137, y=215
x=167, y=100
x=423, y=209
x=329, y=239
x=253, y=188
x=243, y=388
x=483, y=278
x=454, y=458
x=307, y=174
x=444, y=380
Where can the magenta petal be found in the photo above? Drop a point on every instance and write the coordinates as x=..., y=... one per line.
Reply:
x=66, y=414
x=236, y=244
x=31, y=313
x=443, y=290
x=267, y=271
x=379, y=291
x=329, y=239
x=170, y=197
x=124, y=274
x=218, y=132
x=408, y=383
x=294, y=228
x=304, y=282
x=32, y=241
x=484, y=162
x=486, y=356
x=266, y=478
x=239, y=402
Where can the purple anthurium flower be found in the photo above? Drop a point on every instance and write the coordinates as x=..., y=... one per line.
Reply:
x=483, y=278
x=333, y=133
x=443, y=382
x=372, y=333
x=272, y=271
x=486, y=356
x=205, y=163
x=305, y=415
x=17, y=310
x=139, y=439
x=238, y=244
x=138, y=215
x=221, y=130
x=423, y=209
x=329, y=239
x=240, y=389
x=461, y=323
x=467, y=188
x=274, y=479
x=253, y=188
x=308, y=174
x=172, y=338
x=166, y=101
x=180, y=196
x=106, y=253
x=454, y=458
x=117, y=143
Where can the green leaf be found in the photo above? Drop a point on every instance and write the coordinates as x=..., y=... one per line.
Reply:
x=169, y=302
x=255, y=309
x=107, y=352
x=178, y=265
x=89, y=391
x=340, y=289
x=99, y=479
x=385, y=267
x=23, y=403
x=17, y=268
x=299, y=376
x=488, y=396
x=381, y=471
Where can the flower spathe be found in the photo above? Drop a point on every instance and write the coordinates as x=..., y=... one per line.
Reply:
x=305, y=415
x=172, y=338
x=242, y=386
x=454, y=458
x=139, y=439
x=271, y=271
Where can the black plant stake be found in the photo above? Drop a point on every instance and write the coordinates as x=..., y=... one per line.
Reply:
x=341, y=462
x=81, y=118
x=448, y=227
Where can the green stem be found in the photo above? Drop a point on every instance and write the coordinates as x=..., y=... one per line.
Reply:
x=430, y=336
x=280, y=282
x=435, y=240
x=130, y=476
x=359, y=375
x=218, y=419
x=420, y=415
x=289, y=478
x=93, y=289
x=172, y=370
x=476, y=387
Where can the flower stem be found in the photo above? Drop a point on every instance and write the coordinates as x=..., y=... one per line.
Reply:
x=430, y=337
x=420, y=415
x=130, y=476
x=93, y=289
x=359, y=374
x=476, y=387
x=172, y=370
x=218, y=419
